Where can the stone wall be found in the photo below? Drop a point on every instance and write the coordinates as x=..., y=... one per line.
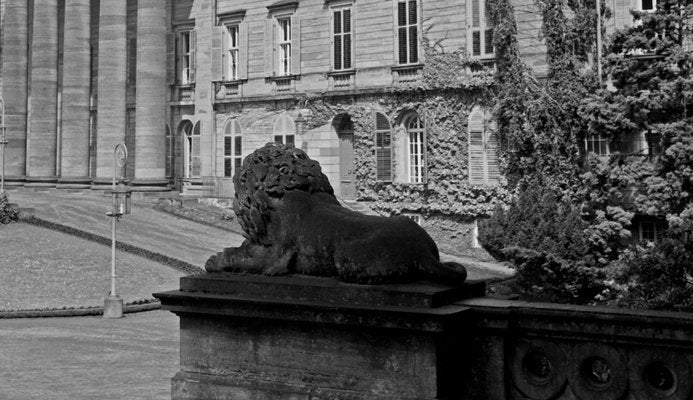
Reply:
x=304, y=338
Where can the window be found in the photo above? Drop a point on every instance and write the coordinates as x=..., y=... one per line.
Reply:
x=185, y=51
x=480, y=30
x=341, y=38
x=650, y=230
x=233, y=150
x=383, y=148
x=483, y=150
x=285, y=130
x=282, y=46
x=407, y=32
x=597, y=144
x=647, y=5
x=417, y=148
x=229, y=55
x=231, y=62
x=192, y=152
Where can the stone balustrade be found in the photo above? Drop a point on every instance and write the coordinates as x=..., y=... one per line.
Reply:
x=249, y=336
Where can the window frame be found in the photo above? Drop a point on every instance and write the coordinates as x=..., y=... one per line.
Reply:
x=232, y=147
x=186, y=55
x=598, y=140
x=416, y=148
x=283, y=44
x=484, y=29
x=407, y=29
x=339, y=37
x=284, y=129
x=232, y=51
x=192, y=151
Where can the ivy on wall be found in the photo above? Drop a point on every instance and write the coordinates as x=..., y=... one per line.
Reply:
x=451, y=85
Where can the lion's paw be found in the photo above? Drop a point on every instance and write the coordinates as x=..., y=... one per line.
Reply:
x=215, y=263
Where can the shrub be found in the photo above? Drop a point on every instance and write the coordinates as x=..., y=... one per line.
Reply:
x=657, y=275
x=544, y=238
x=7, y=212
x=549, y=278
x=536, y=220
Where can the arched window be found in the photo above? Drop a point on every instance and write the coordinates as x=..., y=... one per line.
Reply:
x=417, y=148
x=192, y=152
x=284, y=130
x=483, y=149
x=232, y=147
x=383, y=148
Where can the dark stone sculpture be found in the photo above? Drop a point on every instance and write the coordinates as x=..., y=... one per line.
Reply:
x=293, y=223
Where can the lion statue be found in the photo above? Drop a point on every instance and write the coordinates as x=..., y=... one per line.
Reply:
x=293, y=223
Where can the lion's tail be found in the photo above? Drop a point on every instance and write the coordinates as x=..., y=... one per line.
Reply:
x=449, y=273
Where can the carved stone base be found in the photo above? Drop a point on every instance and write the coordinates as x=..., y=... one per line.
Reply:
x=248, y=336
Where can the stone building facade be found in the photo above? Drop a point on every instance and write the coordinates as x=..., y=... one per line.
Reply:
x=369, y=88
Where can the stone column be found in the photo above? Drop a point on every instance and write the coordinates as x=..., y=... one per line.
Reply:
x=111, y=86
x=43, y=81
x=150, y=109
x=75, y=102
x=14, y=82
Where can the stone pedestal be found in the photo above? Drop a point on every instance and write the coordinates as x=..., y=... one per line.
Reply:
x=249, y=336
x=113, y=307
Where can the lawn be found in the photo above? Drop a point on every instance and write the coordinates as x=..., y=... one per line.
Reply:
x=42, y=268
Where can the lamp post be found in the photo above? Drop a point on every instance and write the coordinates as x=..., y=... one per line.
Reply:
x=3, y=142
x=113, y=305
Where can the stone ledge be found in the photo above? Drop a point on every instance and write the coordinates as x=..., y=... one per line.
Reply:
x=328, y=290
x=420, y=306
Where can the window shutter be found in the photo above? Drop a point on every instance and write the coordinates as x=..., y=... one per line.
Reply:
x=218, y=53
x=179, y=54
x=243, y=50
x=492, y=166
x=269, y=47
x=488, y=41
x=476, y=157
x=347, y=38
x=337, y=39
x=476, y=43
x=413, y=44
x=476, y=147
x=295, y=45
x=193, y=55
x=171, y=58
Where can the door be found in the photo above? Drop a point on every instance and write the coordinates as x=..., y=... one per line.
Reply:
x=347, y=186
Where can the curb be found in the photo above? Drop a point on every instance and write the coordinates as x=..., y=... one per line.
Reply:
x=130, y=308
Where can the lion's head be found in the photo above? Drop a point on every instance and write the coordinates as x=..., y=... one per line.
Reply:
x=271, y=171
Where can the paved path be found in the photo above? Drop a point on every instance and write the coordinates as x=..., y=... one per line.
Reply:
x=145, y=227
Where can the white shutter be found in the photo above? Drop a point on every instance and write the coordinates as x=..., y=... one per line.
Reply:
x=269, y=47
x=218, y=53
x=475, y=127
x=193, y=55
x=243, y=50
x=295, y=45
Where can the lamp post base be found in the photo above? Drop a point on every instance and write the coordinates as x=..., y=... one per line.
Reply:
x=113, y=307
